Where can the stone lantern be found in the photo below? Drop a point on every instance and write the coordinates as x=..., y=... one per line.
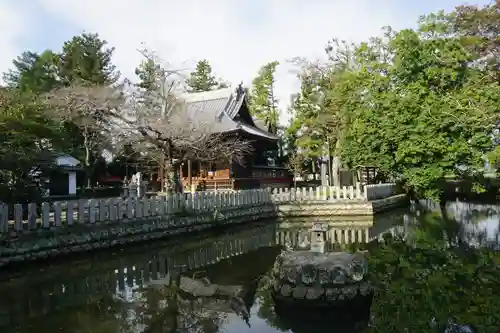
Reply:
x=318, y=237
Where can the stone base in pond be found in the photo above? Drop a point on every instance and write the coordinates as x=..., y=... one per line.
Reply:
x=46, y=243
x=308, y=208
x=312, y=297
x=311, y=279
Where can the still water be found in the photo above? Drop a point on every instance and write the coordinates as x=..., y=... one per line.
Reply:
x=433, y=269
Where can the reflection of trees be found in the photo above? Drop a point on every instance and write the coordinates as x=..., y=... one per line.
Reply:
x=97, y=314
x=424, y=283
x=167, y=308
x=266, y=304
x=479, y=223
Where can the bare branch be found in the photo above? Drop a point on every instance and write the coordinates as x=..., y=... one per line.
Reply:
x=156, y=122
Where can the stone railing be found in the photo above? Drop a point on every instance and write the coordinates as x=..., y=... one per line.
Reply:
x=333, y=193
x=380, y=191
x=99, y=211
x=31, y=216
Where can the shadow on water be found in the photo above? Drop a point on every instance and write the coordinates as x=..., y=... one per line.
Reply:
x=432, y=271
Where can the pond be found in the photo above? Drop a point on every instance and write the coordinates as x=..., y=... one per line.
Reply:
x=432, y=269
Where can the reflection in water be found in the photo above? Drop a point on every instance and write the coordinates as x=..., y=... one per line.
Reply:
x=480, y=223
x=213, y=283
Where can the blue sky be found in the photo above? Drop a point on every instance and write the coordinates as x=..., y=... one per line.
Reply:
x=236, y=36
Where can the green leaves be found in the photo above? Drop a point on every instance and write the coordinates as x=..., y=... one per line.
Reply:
x=425, y=114
x=86, y=58
x=263, y=102
x=418, y=105
x=27, y=136
x=202, y=79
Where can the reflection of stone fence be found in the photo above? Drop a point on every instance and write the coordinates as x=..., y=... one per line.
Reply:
x=27, y=297
x=338, y=235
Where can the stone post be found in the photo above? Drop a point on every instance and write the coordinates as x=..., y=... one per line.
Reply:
x=57, y=214
x=161, y=205
x=102, y=210
x=46, y=215
x=170, y=204
x=81, y=210
x=32, y=215
x=189, y=202
x=4, y=218
x=113, y=209
x=92, y=211
x=18, y=217
x=145, y=207
x=130, y=208
x=70, y=212
x=138, y=208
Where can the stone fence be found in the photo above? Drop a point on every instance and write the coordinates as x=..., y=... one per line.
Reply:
x=97, y=211
x=334, y=193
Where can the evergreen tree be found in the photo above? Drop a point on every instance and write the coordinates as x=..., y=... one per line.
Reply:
x=263, y=102
x=86, y=58
x=33, y=72
x=202, y=79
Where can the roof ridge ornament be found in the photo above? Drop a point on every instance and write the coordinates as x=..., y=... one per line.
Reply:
x=240, y=91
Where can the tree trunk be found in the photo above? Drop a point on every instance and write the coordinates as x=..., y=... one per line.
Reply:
x=86, y=144
x=335, y=171
x=173, y=182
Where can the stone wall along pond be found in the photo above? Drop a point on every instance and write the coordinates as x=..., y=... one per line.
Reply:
x=95, y=211
x=47, y=230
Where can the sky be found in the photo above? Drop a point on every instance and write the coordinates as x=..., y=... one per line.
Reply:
x=236, y=36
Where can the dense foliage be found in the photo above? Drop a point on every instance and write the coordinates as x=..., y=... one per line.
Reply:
x=32, y=134
x=27, y=137
x=419, y=105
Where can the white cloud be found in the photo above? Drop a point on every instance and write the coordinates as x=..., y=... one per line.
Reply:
x=12, y=29
x=236, y=36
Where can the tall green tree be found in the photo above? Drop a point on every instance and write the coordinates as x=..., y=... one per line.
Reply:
x=202, y=78
x=417, y=107
x=263, y=101
x=87, y=58
x=33, y=72
x=146, y=75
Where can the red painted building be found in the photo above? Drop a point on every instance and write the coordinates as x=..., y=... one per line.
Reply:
x=229, y=110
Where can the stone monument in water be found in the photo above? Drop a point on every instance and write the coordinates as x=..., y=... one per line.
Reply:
x=316, y=281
